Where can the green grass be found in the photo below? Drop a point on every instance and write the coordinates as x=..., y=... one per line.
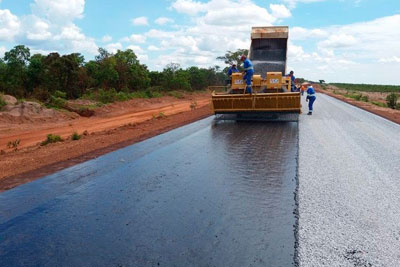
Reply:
x=379, y=104
x=368, y=87
x=111, y=95
x=357, y=96
x=75, y=136
x=51, y=138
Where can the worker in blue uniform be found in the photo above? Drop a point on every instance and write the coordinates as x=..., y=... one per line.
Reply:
x=293, y=81
x=232, y=69
x=310, y=98
x=249, y=71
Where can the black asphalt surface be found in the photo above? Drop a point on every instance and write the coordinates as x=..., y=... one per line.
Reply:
x=206, y=194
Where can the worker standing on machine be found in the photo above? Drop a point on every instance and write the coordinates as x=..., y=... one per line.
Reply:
x=293, y=81
x=310, y=99
x=232, y=69
x=249, y=71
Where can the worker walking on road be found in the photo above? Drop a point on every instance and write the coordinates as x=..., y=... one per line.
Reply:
x=249, y=71
x=310, y=98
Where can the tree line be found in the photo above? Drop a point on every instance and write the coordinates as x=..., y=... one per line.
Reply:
x=40, y=76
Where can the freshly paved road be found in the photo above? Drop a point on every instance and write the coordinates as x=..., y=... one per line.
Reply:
x=202, y=195
x=221, y=195
x=349, y=187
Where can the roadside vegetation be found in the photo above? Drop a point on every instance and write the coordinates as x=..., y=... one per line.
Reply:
x=368, y=87
x=75, y=136
x=2, y=102
x=52, y=138
x=54, y=79
x=390, y=94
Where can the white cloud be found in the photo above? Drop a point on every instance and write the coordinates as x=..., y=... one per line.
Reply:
x=50, y=27
x=217, y=26
x=9, y=25
x=299, y=33
x=393, y=59
x=189, y=7
x=59, y=11
x=3, y=50
x=280, y=11
x=153, y=48
x=135, y=48
x=37, y=29
x=293, y=3
x=106, y=39
x=339, y=41
x=349, y=53
x=140, y=21
x=137, y=38
x=163, y=21
x=113, y=47
x=143, y=57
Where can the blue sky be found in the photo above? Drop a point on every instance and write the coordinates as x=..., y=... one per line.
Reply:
x=336, y=40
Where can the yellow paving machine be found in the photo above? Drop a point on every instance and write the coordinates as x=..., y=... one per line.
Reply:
x=271, y=98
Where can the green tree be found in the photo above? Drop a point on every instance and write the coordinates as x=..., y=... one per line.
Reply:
x=16, y=70
x=174, y=78
x=233, y=57
x=198, y=78
x=131, y=73
x=35, y=72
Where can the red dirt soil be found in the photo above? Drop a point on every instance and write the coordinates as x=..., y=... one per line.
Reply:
x=113, y=126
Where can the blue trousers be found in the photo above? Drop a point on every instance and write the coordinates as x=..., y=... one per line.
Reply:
x=311, y=103
x=248, y=76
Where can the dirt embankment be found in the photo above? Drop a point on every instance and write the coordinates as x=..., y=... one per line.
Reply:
x=387, y=113
x=112, y=127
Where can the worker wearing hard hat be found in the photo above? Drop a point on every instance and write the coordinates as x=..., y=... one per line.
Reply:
x=232, y=69
x=310, y=98
x=249, y=71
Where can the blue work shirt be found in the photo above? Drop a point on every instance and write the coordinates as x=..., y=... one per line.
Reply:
x=232, y=70
x=310, y=92
x=248, y=66
x=293, y=79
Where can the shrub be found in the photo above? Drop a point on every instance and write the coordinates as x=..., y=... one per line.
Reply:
x=51, y=138
x=56, y=102
x=193, y=105
x=160, y=115
x=14, y=144
x=60, y=94
x=364, y=98
x=391, y=100
x=148, y=93
x=121, y=96
x=2, y=102
x=106, y=96
x=75, y=136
